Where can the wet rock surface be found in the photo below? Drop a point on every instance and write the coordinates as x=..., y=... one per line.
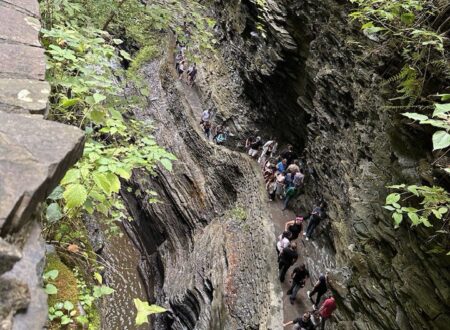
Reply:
x=34, y=155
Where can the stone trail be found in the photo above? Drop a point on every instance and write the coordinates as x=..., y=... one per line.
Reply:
x=34, y=156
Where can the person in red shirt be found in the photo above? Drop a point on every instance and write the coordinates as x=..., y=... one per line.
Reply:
x=325, y=311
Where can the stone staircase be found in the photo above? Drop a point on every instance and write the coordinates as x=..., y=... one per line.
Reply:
x=34, y=155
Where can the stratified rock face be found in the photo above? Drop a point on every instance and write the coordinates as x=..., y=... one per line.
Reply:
x=208, y=244
x=306, y=79
x=34, y=155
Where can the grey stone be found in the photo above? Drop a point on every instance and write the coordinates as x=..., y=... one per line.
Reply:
x=23, y=95
x=38, y=152
x=9, y=255
x=29, y=270
x=21, y=61
x=19, y=27
x=29, y=6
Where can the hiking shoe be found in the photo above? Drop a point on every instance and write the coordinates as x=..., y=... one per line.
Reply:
x=289, y=292
x=292, y=301
x=308, y=294
x=307, y=238
x=304, y=233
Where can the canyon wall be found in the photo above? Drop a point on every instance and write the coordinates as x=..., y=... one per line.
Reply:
x=296, y=70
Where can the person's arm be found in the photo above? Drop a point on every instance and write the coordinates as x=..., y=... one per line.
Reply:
x=288, y=323
x=286, y=226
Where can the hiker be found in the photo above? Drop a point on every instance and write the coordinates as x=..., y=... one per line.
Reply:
x=299, y=276
x=207, y=128
x=290, y=192
x=192, y=73
x=289, y=155
x=280, y=184
x=326, y=310
x=221, y=135
x=254, y=147
x=301, y=323
x=317, y=215
x=294, y=227
x=178, y=60
x=281, y=166
x=267, y=152
x=283, y=241
x=320, y=288
x=298, y=179
x=181, y=68
x=206, y=115
x=287, y=258
x=269, y=171
x=271, y=187
x=294, y=167
x=289, y=180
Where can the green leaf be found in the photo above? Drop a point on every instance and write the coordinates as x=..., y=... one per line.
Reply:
x=102, y=182
x=65, y=320
x=100, y=291
x=117, y=41
x=444, y=97
x=415, y=116
x=407, y=18
x=144, y=310
x=166, y=163
x=68, y=306
x=440, y=109
x=443, y=210
x=52, y=274
x=397, y=186
x=441, y=140
x=114, y=182
x=97, y=116
x=392, y=198
x=98, y=98
x=56, y=194
x=50, y=289
x=75, y=195
x=397, y=219
x=390, y=208
x=123, y=173
x=413, y=189
x=125, y=55
x=53, y=213
x=98, y=277
x=72, y=175
x=437, y=214
x=69, y=102
x=414, y=218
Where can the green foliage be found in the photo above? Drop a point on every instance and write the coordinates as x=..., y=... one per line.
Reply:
x=144, y=310
x=238, y=213
x=440, y=119
x=421, y=205
x=405, y=26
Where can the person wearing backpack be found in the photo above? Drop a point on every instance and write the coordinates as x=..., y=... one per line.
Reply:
x=299, y=276
x=317, y=215
x=287, y=258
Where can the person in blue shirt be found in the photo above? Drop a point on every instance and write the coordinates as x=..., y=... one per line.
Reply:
x=281, y=166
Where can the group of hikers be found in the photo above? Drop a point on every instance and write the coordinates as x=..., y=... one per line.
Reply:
x=185, y=72
x=284, y=174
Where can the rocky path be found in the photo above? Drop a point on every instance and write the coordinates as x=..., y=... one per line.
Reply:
x=278, y=217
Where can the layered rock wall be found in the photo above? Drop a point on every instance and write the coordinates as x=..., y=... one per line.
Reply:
x=34, y=155
x=298, y=71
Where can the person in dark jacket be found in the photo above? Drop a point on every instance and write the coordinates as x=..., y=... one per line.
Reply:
x=320, y=288
x=299, y=276
x=287, y=258
x=302, y=323
x=317, y=215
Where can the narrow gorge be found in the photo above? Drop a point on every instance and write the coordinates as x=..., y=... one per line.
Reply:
x=170, y=217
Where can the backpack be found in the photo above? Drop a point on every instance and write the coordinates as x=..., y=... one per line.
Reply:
x=290, y=192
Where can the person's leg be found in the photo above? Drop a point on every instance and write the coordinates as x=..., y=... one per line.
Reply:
x=295, y=289
x=283, y=272
x=322, y=323
x=286, y=202
x=319, y=296
x=291, y=289
x=312, y=293
x=311, y=226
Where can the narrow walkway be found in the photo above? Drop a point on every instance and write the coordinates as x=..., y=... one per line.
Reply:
x=279, y=218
